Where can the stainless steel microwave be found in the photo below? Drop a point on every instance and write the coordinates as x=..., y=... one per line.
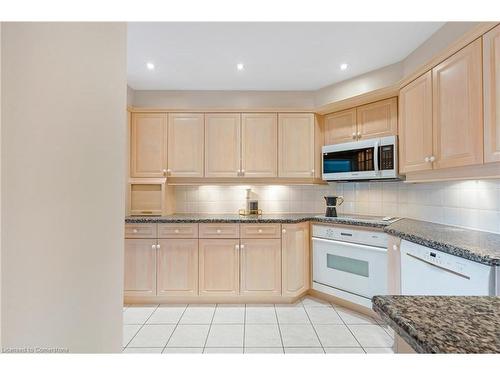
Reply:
x=371, y=159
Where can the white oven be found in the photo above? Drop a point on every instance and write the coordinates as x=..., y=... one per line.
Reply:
x=349, y=263
x=369, y=159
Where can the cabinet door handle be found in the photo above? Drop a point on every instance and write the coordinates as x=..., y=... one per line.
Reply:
x=432, y=159
x=153, y=247
x=359, y=135
x=236, y=247
x=242, y=247
x=164, y=172
x=312, y=172
x=353, y=135
x=157, y=247
x=283, y=231
x=427, y=159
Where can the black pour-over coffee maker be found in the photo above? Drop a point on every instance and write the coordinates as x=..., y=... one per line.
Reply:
x=331, y=205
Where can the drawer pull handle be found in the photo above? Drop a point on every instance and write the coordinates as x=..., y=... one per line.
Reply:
x=283, y=231
x=218, y=231
x=346, y=234
x=176, y=231
x=260, y=231
x=135, y=231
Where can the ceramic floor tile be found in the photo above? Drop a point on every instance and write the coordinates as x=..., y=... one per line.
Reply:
x=264, y=350
x=137, y=315
x=197, y=315
x=309, y=301
x=353, y=317
x=129, y=331
x=262, y=335
x=323, y=315
x=296, y=315
x=304, y=351
x=372, y=336
x=225, y=336
x=260, y=315
x=223, y=351
x=289, y=305
x=344, y=351
x=166, y=315
x=379, y=350
x=152, y=336
x=299, y=335
x=335, y=336
x=189, y=336
x=143, y=350
x=183, y=350
x=229, y=315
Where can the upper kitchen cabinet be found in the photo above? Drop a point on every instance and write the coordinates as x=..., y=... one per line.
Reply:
x=185, y=144
x=415, y=125
x=148, y=145
x=491, y=75
x=259, y=145
x=222, y=145
x=340, y=127
x=458, y=109
x=296, y=145
x=378, y=119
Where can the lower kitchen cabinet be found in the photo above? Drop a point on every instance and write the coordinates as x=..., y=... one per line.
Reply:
x=177, y=267
x=140, y=268
x=295, y=242
x=260, y=267
x=219, y=267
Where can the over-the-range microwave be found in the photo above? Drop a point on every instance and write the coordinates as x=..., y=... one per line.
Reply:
x=371, y=159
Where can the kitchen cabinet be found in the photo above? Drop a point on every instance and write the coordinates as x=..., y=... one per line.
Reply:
x=186, y=142
x=148, y=145
x=491, y=78
x=260, y=267
x=259, y=145
x=340, y=127
x=177, y=267
x=222, y=145
x=296, y=145
x=415, y=125
x=219, y=267
x=140, y=267
x=295, y=242
x=378, y=119
x=458, y=109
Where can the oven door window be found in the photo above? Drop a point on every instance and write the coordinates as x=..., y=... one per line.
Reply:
x=358, y=160
x=350, y=265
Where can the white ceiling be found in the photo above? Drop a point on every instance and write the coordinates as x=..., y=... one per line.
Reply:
x=277, y=56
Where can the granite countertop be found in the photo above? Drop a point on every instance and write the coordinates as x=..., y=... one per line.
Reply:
x=481, y=247
x=360, y=220
x=443, y=324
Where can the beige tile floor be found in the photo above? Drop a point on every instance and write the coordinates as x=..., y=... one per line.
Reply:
x=309, y=326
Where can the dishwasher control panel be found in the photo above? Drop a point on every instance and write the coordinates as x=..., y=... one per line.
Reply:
x=337, y=233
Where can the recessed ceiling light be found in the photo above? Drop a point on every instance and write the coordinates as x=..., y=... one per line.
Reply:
x=240, y=66
x=343, y=66
x=150, y=66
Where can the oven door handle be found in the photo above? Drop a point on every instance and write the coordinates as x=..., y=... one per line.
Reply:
x=366, y=247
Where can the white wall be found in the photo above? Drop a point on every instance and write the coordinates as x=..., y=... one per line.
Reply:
x=0, y=184
x=471, y=204
x=63, y=155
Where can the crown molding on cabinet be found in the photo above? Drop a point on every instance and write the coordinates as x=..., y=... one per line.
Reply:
x=133, y=109
x=470, y=172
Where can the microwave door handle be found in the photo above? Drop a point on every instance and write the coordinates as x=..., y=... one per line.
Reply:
x=375, y=157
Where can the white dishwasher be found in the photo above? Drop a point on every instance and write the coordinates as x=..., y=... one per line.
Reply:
x=425, y=271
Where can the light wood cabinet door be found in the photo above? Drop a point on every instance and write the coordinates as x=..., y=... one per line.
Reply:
x=458, y=109
x=340, y=127
x=219, y=267
x=378, y=119
x=148, y=145
x=177, y=267
x=186, y=142
x=491, y=77
x=222, y=144
x=140, y=268
x=296, y=145
x=259, y=145
x=260, y=267
x=295, y=259
x=415, y=125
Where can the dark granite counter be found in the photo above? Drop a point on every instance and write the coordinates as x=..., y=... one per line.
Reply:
x=442, y=324
x=481, y=247
x=360, y=220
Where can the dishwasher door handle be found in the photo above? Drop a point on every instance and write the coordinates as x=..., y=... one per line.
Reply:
x=438, y=266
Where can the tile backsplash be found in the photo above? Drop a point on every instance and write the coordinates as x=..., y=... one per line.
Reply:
x=471, y=204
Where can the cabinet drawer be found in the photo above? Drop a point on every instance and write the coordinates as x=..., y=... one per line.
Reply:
x=140, y=230
x=214, y=230
x=177, y=230
x=260, y=231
